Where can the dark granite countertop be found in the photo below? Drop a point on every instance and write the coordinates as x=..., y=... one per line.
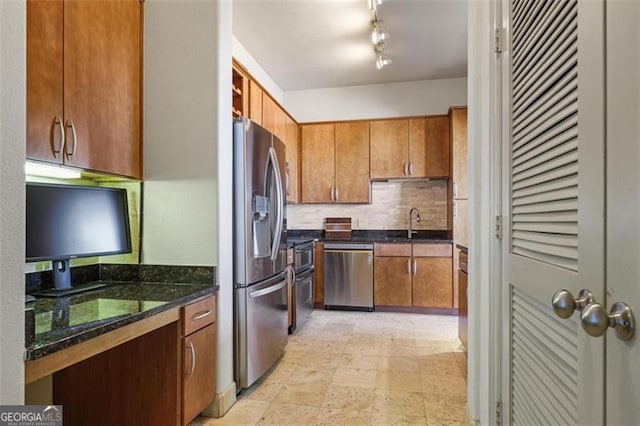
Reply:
x=62, y=322
x=375, y=236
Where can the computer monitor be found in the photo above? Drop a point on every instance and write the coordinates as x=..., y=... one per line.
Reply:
x=65, y=221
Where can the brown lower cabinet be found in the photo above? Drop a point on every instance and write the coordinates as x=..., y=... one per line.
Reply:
x=198, y=358
x=163, y=377
x=432, y=282
x=463, y=313
x=199, y=372
x=415, y=275
x=392, y=281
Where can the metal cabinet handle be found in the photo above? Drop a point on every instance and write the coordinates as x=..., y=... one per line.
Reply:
x=193, y=359
x=410, y=168
x=288, y=179
x=58, y=121
x=409, y=266
x=75, y=140
x=596, y=321
x=202, y=314
x=415, y=266
x=564, y=304
x=405, y=168
x=331, y=193
x=337, y=194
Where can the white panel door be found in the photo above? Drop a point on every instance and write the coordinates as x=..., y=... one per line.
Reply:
x=555, y=208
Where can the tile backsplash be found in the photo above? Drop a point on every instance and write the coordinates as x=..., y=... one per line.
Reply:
x=391, y=202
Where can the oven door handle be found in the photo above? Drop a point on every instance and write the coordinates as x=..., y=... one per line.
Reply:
x=304, y=274
x=263, y=292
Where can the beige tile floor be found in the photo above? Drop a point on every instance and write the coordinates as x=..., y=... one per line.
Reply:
x=361, y=368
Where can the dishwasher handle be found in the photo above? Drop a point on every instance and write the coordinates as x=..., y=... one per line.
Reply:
x=369, y=252
x=347, y=246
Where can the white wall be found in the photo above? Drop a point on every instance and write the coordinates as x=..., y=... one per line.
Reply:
x=13, y=74
x=224, y=372
x=187, y=156
x=243, y=56
x=180, y=133
x=376, y=101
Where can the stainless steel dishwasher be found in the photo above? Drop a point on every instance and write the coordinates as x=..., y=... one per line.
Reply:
x=348, y=276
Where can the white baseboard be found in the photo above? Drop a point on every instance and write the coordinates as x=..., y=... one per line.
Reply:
x=222, y=403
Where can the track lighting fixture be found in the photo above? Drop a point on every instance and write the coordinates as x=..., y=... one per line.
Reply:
x=378, y=36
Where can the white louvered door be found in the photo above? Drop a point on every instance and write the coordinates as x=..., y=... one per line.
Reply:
x=555, y=84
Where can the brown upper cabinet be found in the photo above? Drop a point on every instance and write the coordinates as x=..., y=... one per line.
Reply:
x=273, y=117
x=84, y=84
x=317, y=157
x=458, y=119
x=291, y=140
x=335, y=163
x=255, y=102
x=410, y=148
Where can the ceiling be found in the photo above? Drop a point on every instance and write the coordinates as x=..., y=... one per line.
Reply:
x=308, y=44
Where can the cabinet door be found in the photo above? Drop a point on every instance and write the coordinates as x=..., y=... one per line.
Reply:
x=392, y=281
x=293, y=146
x=463, y=315
x=45, y=120
x=199, y=379
x=432, y=282
x=255, y=102
x=437, y=146
x=279, y=122
x=389, y=149
x=317, y=151
x=352, y=162
x=417, y=147
x=458, y=117
x=268, y=113
x=102, y=84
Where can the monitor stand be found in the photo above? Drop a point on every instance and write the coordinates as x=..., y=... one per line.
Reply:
x=62, y=282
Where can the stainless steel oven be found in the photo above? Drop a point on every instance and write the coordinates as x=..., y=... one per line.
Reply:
x=303, y=285
x=304, y=256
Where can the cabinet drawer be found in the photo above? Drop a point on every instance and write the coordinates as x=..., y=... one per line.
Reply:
x=392, y=249
x=198, y=314
x=432, y=250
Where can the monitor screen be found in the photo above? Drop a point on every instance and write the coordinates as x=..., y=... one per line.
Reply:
x=66, y=221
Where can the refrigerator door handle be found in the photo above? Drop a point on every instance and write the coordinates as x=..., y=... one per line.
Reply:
x=273, y=158
x=268, y=290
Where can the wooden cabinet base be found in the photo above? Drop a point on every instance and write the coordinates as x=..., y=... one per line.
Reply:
x=135, y=383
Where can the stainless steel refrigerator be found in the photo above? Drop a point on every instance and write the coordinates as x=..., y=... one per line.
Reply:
x=260, y=252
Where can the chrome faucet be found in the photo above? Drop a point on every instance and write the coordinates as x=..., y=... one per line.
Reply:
x=411, y=231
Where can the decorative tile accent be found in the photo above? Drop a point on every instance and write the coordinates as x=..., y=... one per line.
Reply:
x=391, y=202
